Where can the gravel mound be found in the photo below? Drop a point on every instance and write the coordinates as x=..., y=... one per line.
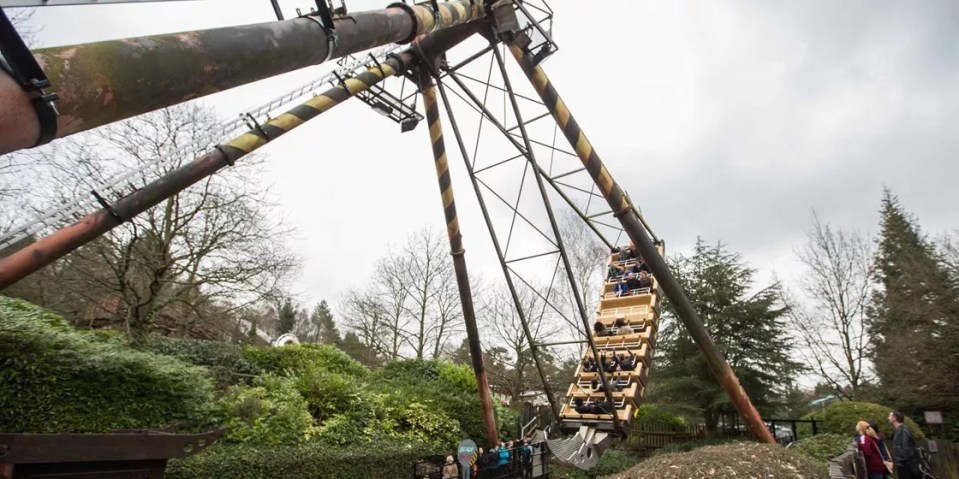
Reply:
x=738, y=460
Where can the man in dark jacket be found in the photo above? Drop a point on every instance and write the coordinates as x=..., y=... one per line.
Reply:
x=903, y=448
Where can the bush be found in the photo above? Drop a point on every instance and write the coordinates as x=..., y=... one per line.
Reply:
x=296, y=359
x=823, y=447
x=270, y=413
x=225, y=360
x=653, y=413
x=54, y=378
x=328, y=394
x=743, y=459
x=611, y=462
x=303, y=461
x=445, y=388
x=841, y=418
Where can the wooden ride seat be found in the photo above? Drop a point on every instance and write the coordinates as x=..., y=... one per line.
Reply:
x=629, y=394
x=637, y=321
x=646, y=299
x=627, y=341
x=632, y=315
x=643, y=355
x=625, y=413
x=640, y=374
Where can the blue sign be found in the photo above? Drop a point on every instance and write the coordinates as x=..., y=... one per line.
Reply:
x=466, y=453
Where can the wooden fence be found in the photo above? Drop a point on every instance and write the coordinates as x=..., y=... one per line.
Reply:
x=945, y=462
x=655, y=436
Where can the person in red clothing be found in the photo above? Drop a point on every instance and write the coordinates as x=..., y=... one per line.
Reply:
x=868, y=443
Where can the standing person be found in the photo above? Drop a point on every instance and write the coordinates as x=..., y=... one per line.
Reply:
x=449, y=470
x=526, y=454
x=883, y=450
x=869, y=446
x=503, y=458
x=903, y=448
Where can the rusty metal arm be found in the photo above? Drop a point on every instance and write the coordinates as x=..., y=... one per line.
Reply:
x=620, y=204
x=37, y=255
x=459, y=256
x=103, y=82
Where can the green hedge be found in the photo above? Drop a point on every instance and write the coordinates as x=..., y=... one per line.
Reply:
x=296, y=359
x=612, y=461
x=823, y=447
x=225, y=360
x=447, y=389
x=54, y=378
x=841, y=418
x=304, y=461
x=653, y=413
x=271, y=412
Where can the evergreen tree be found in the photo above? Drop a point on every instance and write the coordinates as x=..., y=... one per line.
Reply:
x=287, y=318
x=324, y=326
x=355, y=348
x=914, y=317
x=749, y=328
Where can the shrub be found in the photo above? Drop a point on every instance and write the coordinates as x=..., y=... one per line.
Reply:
x=611, y=462
x=295, y=359
x=841, y=418
x=54, y=378
x=270, y=413
x=328, y=394
x=823, y=447
x=743, y=459
x=225, y=360
x=303, y=461
x=653, y=413
x=444, y=388
x=457, y=376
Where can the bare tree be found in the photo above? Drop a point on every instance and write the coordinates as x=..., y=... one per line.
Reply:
x=412, y=307
x=831, y=322
x=214, y=244
x=588, y=257
x=512, y=369
x=948, y=246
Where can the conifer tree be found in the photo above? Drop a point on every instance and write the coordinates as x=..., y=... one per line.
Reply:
x=914, y=316
x=324, y=326
x=749, y=327
x=287, y=318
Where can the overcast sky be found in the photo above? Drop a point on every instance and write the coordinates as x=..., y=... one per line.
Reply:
x=728, y=120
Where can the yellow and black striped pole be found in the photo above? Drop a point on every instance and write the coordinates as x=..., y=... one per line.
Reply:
x=61, y=242
x=459, y=258
x=619, y=203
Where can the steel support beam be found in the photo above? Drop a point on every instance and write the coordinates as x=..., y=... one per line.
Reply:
x=619, y=203
x=459, y=257
x=534, y=350
x=580, y=307
x=48, y=249
x=103, y=82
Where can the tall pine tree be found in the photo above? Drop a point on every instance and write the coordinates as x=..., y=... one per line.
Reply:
x=914, y=319
x=749, y=327
x=287, y=318
x=324, y=327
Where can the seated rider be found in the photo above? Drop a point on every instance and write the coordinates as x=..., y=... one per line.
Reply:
x=614, y=272
x=645, y=281
x=632, y=282
x=621, y=287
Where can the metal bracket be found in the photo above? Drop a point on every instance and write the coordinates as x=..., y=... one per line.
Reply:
x=103, y=202
x=324, y=18
x=255, y=125
x=16, y=59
